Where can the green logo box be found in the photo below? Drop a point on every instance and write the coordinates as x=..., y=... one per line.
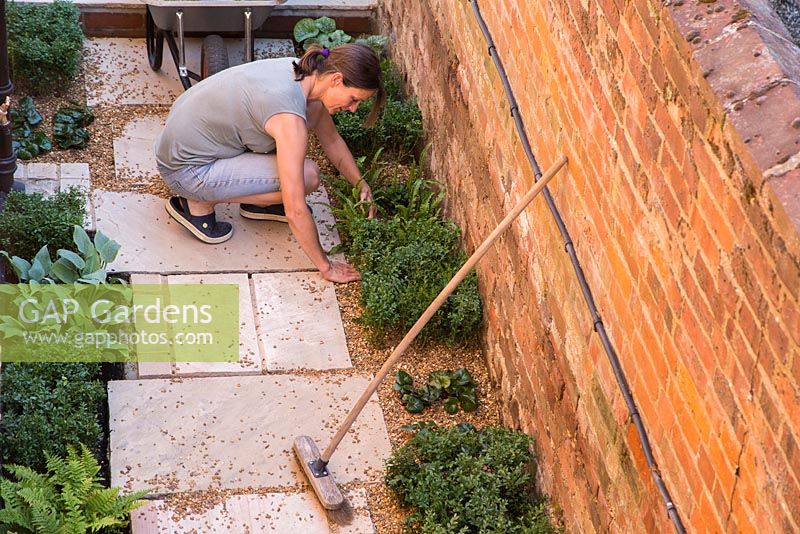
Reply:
x=119, y=322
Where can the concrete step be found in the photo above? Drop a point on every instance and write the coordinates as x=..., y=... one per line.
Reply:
x=236, y=433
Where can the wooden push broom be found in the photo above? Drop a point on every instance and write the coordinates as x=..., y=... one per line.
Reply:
x=314, y=464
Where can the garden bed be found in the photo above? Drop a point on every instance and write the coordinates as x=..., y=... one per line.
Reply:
x=369, y=346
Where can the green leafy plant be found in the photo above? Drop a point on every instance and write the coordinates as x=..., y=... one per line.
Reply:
x=28, y=141
x=69, y=126
x=464, y=480
x=399, y=129
x=47, y=407
x=322, y=31
x=407, y=255
x=44, y=44
x=30, y=221
x=457, y=389
x=87, y=266
x=67, y=498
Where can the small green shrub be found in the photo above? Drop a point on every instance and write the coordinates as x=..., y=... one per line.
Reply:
x=44, y=44
x=28, y=141
x=67, y=498
x=407, y=257
x=463, y=480
x=48, y=407
x=457, y=388
x=399, y=129
x=31, y=221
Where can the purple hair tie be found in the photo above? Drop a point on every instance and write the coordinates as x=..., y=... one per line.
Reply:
x=325, y=52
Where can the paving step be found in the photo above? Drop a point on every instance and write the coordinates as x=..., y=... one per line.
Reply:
x=196, y=434
x=250, y=359
x=300, y=323
x=154, y=243
x=287, y=321
x=252, y=513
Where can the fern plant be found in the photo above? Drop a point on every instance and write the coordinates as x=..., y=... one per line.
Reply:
x=68, y=498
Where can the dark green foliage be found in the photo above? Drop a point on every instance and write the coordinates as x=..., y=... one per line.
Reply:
x=67, y=498
x=69, y=126
x=457, y=389
x=399, y=129
x=44, y=44
x=392, y=81
x=463, y=480
x=28, y=141
x=47, y=407
x=31, y=221
x=407, y=256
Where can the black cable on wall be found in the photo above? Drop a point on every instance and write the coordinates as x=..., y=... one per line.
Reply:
x=613, y=359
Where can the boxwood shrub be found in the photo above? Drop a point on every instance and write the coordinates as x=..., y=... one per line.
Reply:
x=406, y=256
x=30, y=221
x=463, y=480
x=48, y=407
x=44, y=44
x=398, y=131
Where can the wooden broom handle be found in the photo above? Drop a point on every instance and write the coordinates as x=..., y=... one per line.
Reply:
x=436, y=304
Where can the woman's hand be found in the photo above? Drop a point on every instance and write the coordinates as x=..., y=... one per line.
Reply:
x=340, y=272
x=366, y=196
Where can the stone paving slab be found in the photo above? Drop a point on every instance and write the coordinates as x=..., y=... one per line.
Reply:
x=133, y=150
x=299, y=321
x=250, y=360
x=118, y=72
x=193, y=434
x=152, y=242
x=254, y=513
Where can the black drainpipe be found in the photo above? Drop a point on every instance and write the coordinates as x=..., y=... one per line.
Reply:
x=622, y=382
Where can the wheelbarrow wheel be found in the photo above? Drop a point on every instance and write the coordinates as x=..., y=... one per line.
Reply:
x=213, y=56
x=155, y=41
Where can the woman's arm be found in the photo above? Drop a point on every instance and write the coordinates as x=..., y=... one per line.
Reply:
x=291, y=140
x=336, y=150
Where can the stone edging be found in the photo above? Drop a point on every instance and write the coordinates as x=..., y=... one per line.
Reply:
x=753, y=67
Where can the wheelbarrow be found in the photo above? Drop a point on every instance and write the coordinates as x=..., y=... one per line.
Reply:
x=170, y=19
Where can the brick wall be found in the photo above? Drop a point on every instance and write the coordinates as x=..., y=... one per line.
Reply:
x=692, y=258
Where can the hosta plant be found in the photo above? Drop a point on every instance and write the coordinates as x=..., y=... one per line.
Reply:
x=68, y=498
x=87, y=266
x=322, y=31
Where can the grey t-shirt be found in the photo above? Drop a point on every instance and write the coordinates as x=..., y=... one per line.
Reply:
x=224, y=115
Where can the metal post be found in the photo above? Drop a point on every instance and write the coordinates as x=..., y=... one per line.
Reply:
x=8, y=160
x=182, y=70
x=248, y=35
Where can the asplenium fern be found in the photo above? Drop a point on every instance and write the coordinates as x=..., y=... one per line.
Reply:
x=68, y=498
